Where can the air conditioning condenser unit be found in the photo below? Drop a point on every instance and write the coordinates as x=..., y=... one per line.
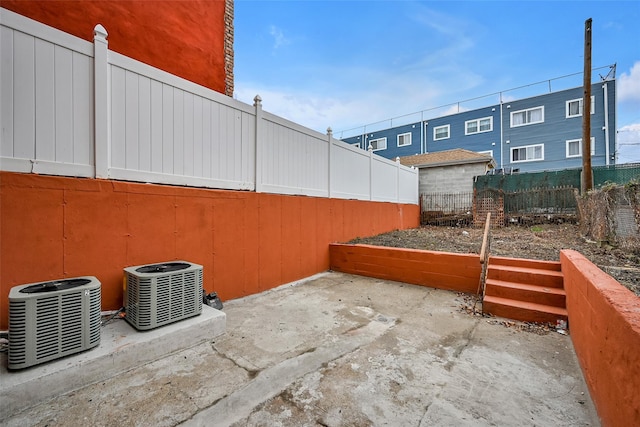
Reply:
x=159, y=294
x=49, y=320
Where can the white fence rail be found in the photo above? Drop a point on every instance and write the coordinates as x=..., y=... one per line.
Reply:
x=74, y=108
x=168, y=130
x=46, y=99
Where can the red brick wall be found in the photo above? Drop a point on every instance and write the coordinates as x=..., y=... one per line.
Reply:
x=56, y=227
x=185, y=38
x=229, y=55
x=604, y=320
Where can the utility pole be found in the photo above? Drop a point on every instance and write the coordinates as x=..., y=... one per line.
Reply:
x=587, y=174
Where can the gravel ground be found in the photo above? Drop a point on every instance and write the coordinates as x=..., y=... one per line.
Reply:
x=542, y=242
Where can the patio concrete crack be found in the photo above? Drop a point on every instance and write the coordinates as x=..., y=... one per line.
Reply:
x=252, y=372
x=272, y=381
x=467, y=336
x=424, y=419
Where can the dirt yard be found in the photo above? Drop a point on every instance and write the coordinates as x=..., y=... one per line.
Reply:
x=536, y=242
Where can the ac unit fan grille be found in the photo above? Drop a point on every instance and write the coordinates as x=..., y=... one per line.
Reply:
x=165, y=303
x=47, y=325
x=156, y=300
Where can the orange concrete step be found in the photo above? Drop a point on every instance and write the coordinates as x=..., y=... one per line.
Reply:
x=545, y=295
x=528, y=263
x=528, y=275
x=523, y=311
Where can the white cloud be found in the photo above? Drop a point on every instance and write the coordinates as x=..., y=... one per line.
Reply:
x=454, y=109
x=350, y=94
x=446, y=51
x=278, y=37
x=447, y=27
x=315, y=111
x=361, y=96
x=629, y=85
x=628, y=139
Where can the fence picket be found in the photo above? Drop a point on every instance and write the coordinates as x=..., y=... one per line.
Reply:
x=118, y=118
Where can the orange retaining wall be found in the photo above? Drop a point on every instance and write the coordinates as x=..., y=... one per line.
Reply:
x=604, y=319
x=57, y=227
x=442, y=270
x=185, y=38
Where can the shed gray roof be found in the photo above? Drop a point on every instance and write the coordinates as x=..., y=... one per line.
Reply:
x=457, y=156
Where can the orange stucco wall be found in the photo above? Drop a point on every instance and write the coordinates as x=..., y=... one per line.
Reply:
x=442, y=270
x=185, y=38
x=55, y=227
x=604, y=319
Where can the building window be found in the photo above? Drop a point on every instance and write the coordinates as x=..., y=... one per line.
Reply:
x=574, y=107
x=357, y=145
x=488, y=152
x=528, y=153
x=527, y=117
x=574, y=147
x=404, y=139
x=478, y=126
x=441, y=132
x=378, y=144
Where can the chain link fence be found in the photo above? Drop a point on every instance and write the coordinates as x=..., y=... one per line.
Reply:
x=611, y=215
x=615, y=174
x=542, y=197
x=602, y=175
x=447, y=209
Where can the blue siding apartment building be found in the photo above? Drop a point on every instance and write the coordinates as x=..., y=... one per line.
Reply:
x=533, y=134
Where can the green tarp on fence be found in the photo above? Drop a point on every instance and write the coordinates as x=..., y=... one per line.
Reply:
x=617, y=174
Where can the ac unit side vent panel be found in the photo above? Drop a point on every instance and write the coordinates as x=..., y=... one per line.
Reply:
x=53, y=321
x=17, y=333
x=159, y=294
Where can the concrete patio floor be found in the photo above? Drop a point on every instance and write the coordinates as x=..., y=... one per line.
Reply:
x=343, y=350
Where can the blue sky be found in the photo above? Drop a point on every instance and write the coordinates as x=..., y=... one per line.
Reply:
x=347, y=64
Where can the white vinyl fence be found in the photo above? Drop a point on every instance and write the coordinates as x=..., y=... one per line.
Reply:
x=73, y=108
